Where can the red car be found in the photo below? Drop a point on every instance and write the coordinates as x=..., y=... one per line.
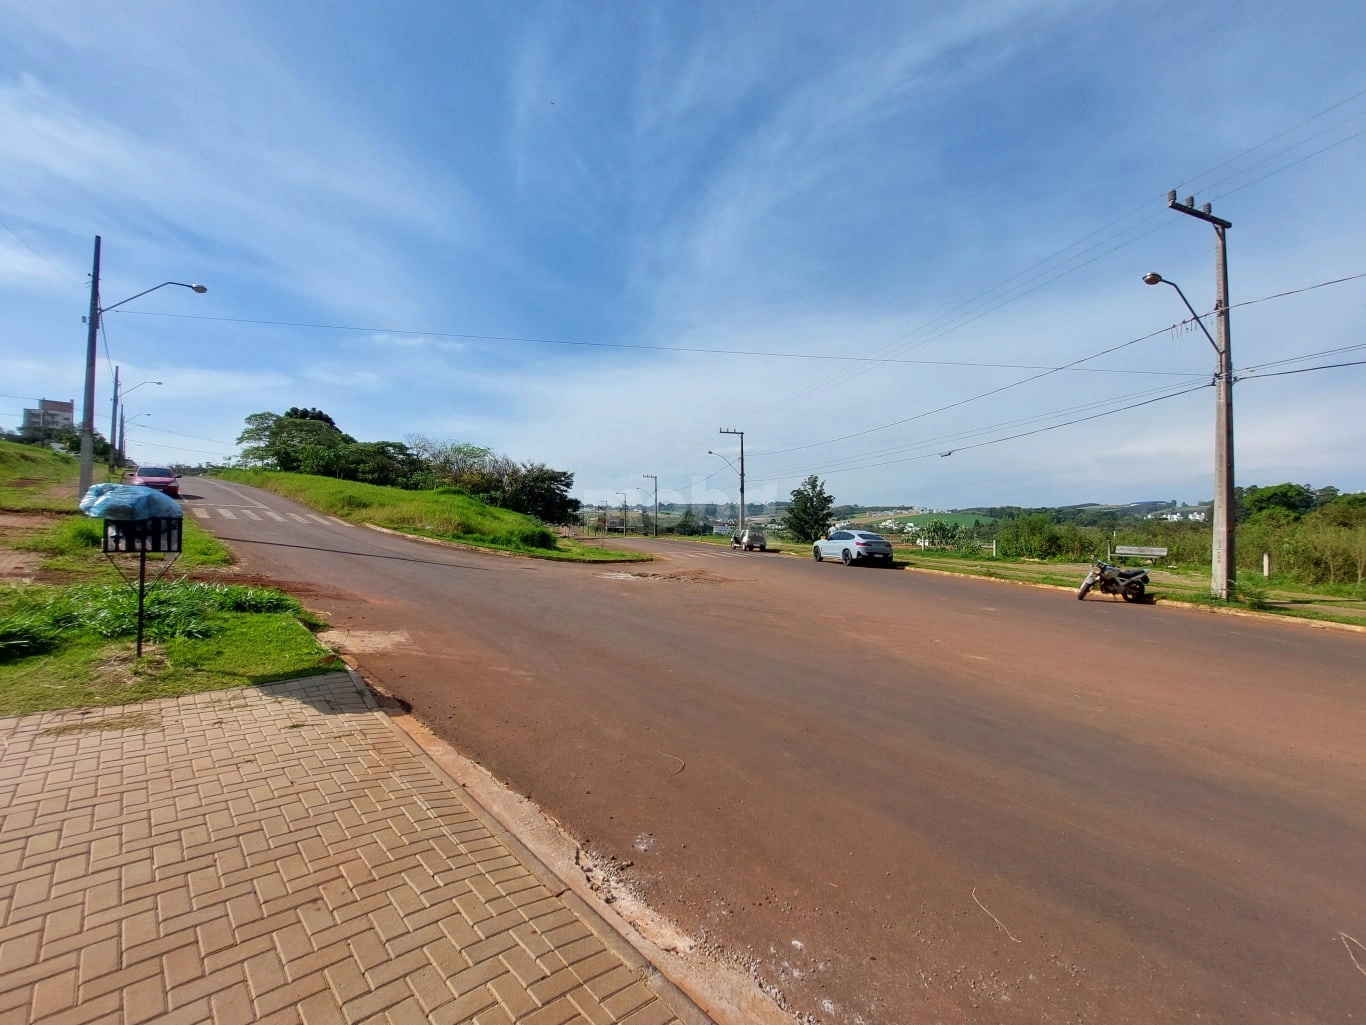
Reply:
x=158, y=477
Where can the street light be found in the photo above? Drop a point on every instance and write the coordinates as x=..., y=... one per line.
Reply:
x=116, y=450
x=741, y=471
x=1223, y=564
x=654, y=477
x=92, y=323
x=739, y=474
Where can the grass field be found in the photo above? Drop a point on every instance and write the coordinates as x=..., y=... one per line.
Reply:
x=72, y=646
x=444, y=514
x=36, y=478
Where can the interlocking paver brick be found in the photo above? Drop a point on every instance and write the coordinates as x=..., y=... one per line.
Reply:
x=214, y=866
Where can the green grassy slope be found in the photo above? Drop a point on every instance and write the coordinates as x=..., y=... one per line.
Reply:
x=445, y=513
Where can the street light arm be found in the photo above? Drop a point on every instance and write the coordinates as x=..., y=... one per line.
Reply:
x=200, y=289
x=719, y=456
x=1153, y=278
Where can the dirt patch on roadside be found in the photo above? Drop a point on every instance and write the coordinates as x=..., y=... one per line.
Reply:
x=17, y=565
x=687, y=576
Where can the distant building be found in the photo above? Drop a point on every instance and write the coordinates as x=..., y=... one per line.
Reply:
x=51, y=416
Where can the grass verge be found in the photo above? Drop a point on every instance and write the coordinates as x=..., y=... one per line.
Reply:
x=67, y=647
x=71, y=545
x=445, y=514
x=30, y=473
x=1191, y=587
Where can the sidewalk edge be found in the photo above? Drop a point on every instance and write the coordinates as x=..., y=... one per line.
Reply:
x=640, y=955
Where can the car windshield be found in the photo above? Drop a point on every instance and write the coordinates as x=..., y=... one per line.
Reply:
x=755, y=533
x=872, y=537
x=154, y=471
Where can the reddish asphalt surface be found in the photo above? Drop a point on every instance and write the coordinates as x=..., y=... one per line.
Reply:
x=903, y=797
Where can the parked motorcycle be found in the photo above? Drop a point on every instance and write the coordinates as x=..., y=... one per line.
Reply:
x=1129, y=584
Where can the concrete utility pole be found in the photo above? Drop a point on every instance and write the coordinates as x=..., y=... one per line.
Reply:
x=729, y=430
x=623, y=511
x=114, y=423
x=1224, y=563
x=92, y=327
x=655, y=477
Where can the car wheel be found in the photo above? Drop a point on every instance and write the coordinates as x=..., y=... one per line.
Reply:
x=816, y=554
x=847, y=557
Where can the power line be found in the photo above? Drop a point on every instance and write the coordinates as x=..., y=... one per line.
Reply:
x=108, y=362
x=182, y=434
x=24, y=243
x=1295, y=291
x=977, y=431
x=1007, y=299
x=705, y=351
x=997, y=441
x=1305, y=356
x=1305, y=370
x=1293, y=163
x=971, y=398
x=622, y=345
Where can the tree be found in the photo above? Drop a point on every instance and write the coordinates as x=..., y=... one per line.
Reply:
x=1294, y=498
x=291, y=443
x=808, y=518
x=295, y=413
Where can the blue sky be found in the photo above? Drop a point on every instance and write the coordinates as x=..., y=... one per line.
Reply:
x=970, y=183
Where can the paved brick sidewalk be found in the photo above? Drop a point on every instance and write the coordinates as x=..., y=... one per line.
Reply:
x=273, y=854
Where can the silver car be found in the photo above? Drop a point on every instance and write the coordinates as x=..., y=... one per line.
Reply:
x=854, y=546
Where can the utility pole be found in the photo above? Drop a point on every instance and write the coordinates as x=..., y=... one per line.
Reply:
x=122, y=427
x=623, y=512
x=1224, y=563
x=729, y=430
x=655, y=477
x=114, y=423
x=92, y=325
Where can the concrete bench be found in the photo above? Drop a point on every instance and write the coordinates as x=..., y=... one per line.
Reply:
x=1139, y=552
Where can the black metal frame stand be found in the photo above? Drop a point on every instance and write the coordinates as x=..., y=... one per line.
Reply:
x=156, y=534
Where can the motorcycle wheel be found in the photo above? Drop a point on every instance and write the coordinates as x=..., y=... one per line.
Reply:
x=1133, y=591
x=1083, y=590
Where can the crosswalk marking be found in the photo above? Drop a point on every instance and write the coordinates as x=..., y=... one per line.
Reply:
x=296, y=516
x=227, y=513
x=202, y=514
x=315, y=516
x=275, y=516
x=250, y=515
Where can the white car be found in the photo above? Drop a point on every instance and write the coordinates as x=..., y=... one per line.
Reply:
x=854, y=546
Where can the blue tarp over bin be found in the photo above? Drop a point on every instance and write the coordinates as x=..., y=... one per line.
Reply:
x=128, y=502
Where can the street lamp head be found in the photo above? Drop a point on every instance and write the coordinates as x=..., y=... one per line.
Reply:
x=1152, y=278
x=201, y=289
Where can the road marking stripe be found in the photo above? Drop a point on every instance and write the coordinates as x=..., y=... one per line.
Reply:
x=296, y=516
x=275, y=516
x=228, y=513
x=203, y=514
x=315, y=516
x=250, y=515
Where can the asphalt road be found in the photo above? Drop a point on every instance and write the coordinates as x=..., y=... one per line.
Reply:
x=898, y=797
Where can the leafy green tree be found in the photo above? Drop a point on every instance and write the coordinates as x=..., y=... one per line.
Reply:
x=287, y=443
x=295, y=413
x=1294, y=498
x=808, y=518
x=941, y=533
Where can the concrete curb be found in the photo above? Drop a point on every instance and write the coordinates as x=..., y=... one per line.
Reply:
x=548, y=853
